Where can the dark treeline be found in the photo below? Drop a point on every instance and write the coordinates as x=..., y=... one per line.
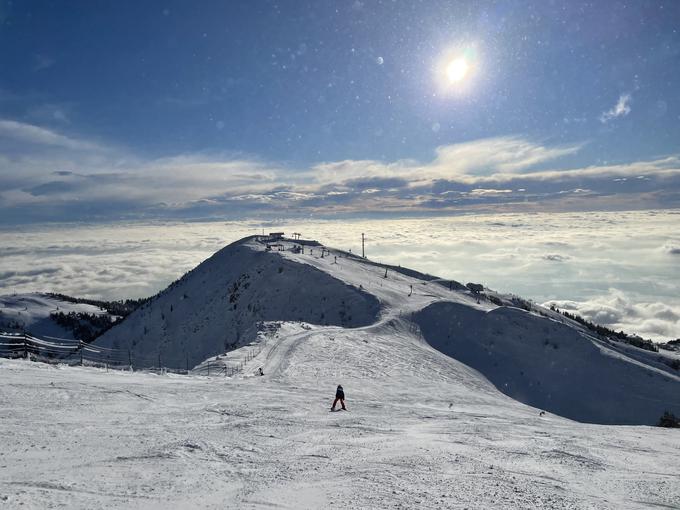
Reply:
x=85, y=326
x=88, y=326
x=122, y=308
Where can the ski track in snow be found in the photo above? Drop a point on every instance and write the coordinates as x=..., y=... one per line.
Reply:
x=423, y=430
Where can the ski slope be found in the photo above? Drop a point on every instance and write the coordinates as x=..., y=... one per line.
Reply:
x=422, y=431
x=429, y=423
x=538, y=358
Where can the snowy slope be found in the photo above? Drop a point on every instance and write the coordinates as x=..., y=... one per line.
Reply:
x=31, y=312
x=216, y=307
x=423, y=431
x=548, y=363
x=551, y=366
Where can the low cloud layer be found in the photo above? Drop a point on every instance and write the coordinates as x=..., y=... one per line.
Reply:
x=46, y=175
x=620, y=311
x=616, y=268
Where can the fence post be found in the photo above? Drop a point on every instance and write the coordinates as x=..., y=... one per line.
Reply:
x=80, y=344
x=208, y=368
x=25, y=346
x=130, y=359
x=187, y=364
x=159, y=363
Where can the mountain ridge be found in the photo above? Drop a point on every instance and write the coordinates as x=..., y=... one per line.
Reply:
x=537, y=357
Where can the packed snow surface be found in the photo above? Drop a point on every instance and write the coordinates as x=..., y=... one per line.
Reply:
x=424, y=429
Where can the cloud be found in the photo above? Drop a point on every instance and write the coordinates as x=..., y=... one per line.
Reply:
x=619, y=311
x=496, y=155
x=46, y=175
x=35, y=135
x=50, y=113
x=672, y=249
x=467, y=162
x=42, y=62
x=620, y=109
x=604, y=265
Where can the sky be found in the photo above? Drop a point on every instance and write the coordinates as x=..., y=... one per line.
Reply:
x=259, y=109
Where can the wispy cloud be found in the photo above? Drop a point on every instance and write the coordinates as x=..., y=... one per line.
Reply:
x=50, y=112
x=48, y=175
x=35, y=135
x=42, y=62
x=467, y=161
x=620, y=109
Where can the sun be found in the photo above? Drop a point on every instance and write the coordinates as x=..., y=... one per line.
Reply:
x=457, y=69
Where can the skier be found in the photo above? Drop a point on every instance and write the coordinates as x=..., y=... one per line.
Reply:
x=260, y=371
x=339, y=395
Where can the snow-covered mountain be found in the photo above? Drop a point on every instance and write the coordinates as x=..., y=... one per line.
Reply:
x=536, y=357
x=217, y=306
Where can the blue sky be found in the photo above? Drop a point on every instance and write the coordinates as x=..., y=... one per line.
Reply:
x=114, y=110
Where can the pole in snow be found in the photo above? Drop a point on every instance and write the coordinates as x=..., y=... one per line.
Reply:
x=363, y=253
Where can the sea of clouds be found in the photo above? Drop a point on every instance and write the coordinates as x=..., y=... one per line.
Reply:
x=620, y=269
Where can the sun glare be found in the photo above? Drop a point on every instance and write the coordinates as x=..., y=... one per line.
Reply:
x=457, y=69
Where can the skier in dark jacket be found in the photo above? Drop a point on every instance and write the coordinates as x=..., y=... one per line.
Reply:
x=339, y=395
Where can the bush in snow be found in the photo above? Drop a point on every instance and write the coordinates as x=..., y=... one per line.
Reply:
x=669, y=420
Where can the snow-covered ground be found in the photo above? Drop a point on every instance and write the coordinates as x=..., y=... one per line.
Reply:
x=423, y=430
